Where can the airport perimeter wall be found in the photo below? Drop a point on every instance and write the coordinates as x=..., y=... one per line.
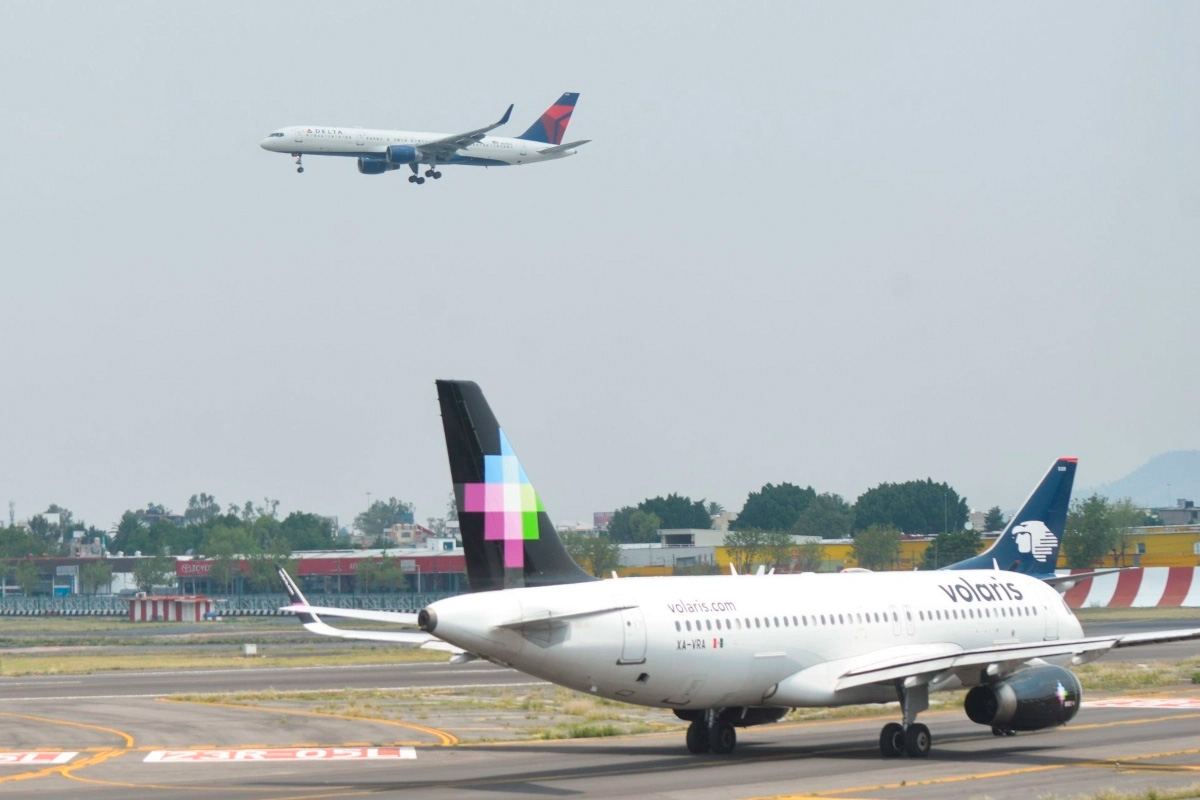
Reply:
x=247, y=605
x=1145, y=587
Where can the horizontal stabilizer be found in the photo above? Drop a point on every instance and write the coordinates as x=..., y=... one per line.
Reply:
x=395, y=637
x=394, y=617
x=562, y=148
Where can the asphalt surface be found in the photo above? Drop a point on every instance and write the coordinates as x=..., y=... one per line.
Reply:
x=128, y=742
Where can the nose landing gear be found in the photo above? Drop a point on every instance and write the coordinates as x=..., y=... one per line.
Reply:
x=299, y=165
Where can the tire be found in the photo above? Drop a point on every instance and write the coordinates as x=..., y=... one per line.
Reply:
x=917, y=740
x=722, y=738
x=299, y=169
x=697, y=737
x=891, y=740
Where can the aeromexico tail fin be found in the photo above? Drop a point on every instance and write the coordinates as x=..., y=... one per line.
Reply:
x=552, y=124
x=1030, y=542
x=508, y=539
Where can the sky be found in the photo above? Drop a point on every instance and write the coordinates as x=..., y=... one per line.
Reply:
x=827, y=243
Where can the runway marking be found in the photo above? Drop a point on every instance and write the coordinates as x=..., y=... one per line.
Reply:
x=37, y=757
x=279, y=754
x=1144, y=702
x=444, y=739
x=64, y=769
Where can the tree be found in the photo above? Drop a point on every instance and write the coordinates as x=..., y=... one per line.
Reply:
x=1090, y=532
x=949, y=548
x=28, y=577
x=810, y=557
x=201, y=509
x=827, y=516
x=774, y=508
x=745, y=548
x=307, y=531
x=994, y=520
x=18, y=543
x=919, y=507
x=715, y=509
x=381, y=516
x=152, y=571
x=96, y=576
x=779, y=549
x=379, y=575
x=877, y=547
x=126, y=534
x=1125, y=517
x=677, y=511
x=597, y=554
x=224, y=570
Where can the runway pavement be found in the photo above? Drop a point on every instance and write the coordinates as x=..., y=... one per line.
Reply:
x=111, y=735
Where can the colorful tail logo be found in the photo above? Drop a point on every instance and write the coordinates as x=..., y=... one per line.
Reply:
x=551, y=126
x=509, y=505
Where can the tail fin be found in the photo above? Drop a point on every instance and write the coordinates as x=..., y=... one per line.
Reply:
x=508, y=538
x=552, y=124
x=1030, y=542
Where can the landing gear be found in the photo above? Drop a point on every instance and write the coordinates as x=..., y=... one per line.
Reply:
x=432, y=173
x=722, y=738
x=299, y=165
x=911, y=737
x=415, y=177
x=697, y=737
x=999, y=731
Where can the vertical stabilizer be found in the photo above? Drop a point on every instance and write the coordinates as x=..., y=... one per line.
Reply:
x=552, y=124
x=1030, y=542
x=508, y=539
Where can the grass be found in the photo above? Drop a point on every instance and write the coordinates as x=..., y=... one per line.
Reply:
x=86, y=663
x=1153, y=793
x=1086, y=615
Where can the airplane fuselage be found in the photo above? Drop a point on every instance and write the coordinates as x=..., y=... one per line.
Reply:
x=318, y=140
x=721, y=641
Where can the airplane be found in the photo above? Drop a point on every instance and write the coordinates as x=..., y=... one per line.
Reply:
x=380, y=151
x=728, y=651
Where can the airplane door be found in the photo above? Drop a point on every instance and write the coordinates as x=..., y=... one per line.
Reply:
x=1051, y=623
x=909, y=623
x=633, y=625
x=358, y=138
x=895, y=620
x=522, y=150
x=299, y=134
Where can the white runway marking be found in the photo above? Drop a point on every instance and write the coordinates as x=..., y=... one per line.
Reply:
x=1144, y=702
x=36, y=757
x=280, y=754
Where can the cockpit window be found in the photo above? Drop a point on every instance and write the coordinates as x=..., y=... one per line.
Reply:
x=276, y=133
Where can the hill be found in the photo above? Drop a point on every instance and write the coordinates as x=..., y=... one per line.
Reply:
x=1148, y=484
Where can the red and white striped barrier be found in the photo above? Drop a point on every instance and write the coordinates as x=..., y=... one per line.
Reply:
x=169, y=609
x=1144, y=587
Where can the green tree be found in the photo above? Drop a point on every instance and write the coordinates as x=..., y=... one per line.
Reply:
x=28, y=577
x=381, y=516
x=225, y=569
x=715, y=509
x=307, y=531
x=949, y=548
x=1126, y=518
x=96, y=575
x=877, y=547
x=379, y=575
x=994, y=520
x=810, y=557
x=1090, y=532
x=153, y=571
x=201, y=509
x=917, y=507
x=779, y=549
x=598, y=554
x=127, y=534
x=677, y=511
x=774, y=508
x=745, y=548
x=827, y=516
x=18, y=543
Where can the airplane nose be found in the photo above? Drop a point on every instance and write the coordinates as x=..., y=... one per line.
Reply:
x=265, y=143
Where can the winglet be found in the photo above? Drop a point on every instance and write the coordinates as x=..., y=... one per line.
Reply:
x=504, y=119
x=297, y=597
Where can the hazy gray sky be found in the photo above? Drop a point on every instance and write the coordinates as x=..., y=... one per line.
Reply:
x=833, y=244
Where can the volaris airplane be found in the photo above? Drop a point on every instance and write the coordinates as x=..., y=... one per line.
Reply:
x=380, y=151
x=725, y=652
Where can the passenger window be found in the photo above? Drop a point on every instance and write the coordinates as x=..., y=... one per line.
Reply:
x=921, y=614
x=840, y=620
x=795, y=622
x=756, y=623
x=678, y=626
x=776, y=621
x=804, y=619
x=689, y=624
x=708, y=624
x=718, y=624
x=822, y=619
x=1035, y=611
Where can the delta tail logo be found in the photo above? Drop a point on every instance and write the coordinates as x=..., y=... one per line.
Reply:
x=509, y=505
x=1034, y=537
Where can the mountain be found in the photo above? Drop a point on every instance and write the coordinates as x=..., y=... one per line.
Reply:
x=1148, y=484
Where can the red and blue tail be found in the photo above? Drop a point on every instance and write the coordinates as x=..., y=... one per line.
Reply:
x=551, y=126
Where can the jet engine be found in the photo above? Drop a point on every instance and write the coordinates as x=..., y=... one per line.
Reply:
x=1036, y=698
x=401, y=154
x=373, y=166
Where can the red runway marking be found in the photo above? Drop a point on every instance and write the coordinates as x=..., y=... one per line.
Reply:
x=36, y=757
x=280, y=754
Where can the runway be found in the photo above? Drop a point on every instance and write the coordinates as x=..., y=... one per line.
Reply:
x=113, y=735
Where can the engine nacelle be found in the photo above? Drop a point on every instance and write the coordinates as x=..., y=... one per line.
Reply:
x=401, y=154
x=1041, y=697
x=373, y=166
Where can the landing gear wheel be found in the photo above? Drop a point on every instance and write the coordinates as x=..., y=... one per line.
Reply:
x=722, y=738
x=412, y=178
x=891, y=740
x=299, y=169
x=999, y=731
x=437, y=174
x=697, y=737
x=917, y=740
x=420, y=180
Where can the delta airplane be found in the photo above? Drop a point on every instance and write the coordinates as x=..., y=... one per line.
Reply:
x=380, y=151
x=725, y=652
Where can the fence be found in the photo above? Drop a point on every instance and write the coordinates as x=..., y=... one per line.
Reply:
x=250, y=605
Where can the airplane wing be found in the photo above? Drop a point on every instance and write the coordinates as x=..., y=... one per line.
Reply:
x=926, y=662
x=448, y=146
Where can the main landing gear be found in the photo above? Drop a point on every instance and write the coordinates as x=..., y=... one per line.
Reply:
x=432, y=173
x=416, y=176
x=299, y=165
x=912, y=737
x=711, y=734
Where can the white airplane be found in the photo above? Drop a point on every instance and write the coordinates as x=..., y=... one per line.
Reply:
x=732, y=651
x=380, y=151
